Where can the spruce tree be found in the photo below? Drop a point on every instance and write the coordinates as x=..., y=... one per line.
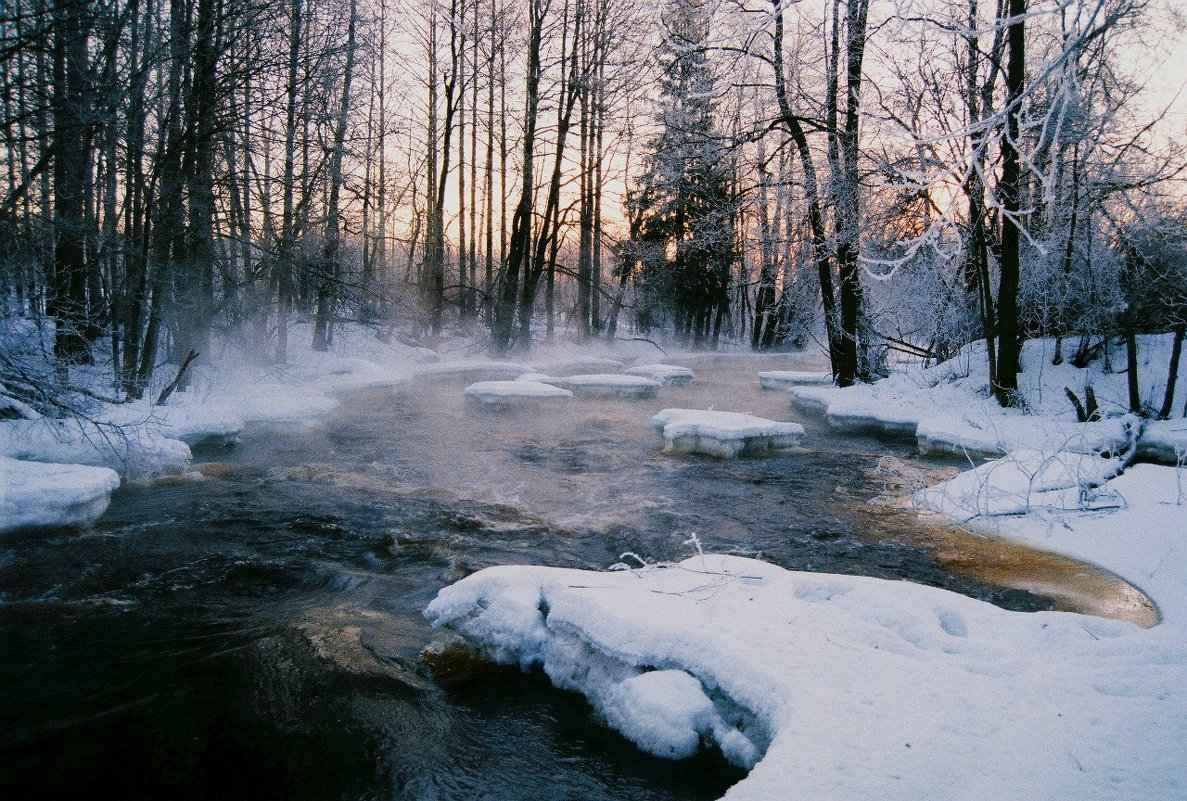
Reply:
x=686, y=197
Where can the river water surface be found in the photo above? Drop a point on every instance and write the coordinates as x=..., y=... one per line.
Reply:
x=256, y=631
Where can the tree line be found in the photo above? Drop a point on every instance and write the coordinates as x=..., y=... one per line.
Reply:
x=878, y=177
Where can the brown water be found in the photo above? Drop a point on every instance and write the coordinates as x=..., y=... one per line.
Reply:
x=258, y=632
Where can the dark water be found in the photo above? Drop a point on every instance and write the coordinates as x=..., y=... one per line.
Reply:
x=258, y=633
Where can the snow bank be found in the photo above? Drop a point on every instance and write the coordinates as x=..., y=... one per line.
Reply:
x=846, y=687
x=724, y=434
x=1025, y=481
x=275, y=402
x=194, y=424
x=607, y=385
x=1133, y=524
x=948, y=409
x=1164, y=441
x=785, y=379
x=663, y=373
x=134, y=452
x=986, y=432
x=35, y=495
x=515, y=393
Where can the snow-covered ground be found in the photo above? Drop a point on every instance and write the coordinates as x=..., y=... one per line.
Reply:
x=840, y=687
x=948, y=409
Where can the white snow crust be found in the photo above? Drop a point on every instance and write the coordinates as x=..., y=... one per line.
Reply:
x=134, y=452
x=947, y=408
x=478, y=370
x=515, y=393
x=608, y=385
x=841, y=687
x=724, y=434
x=36, y=495
x=785, y=379
x=663, y=373
x=1165, y=441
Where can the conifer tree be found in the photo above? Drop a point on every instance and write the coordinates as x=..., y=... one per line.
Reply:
x=686, y=198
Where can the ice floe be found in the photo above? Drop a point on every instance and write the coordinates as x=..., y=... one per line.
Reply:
x=608, y=385
x=477, y=370
x=581, y=365
x=515, y=393
x=724, y=434
x=663, y=373
x=785, y=379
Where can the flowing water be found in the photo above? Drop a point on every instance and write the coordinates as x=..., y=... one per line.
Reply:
x=255, y=631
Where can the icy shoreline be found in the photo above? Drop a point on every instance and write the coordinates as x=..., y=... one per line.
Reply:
x=845, y=687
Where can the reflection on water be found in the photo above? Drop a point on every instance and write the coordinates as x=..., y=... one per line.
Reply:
x=257, y=631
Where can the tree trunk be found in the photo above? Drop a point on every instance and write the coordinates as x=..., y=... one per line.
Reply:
x=1005, y=386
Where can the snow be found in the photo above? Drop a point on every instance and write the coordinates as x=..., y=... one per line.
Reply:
x=785, y=379
x=134, y=452
x=842, y=686
x=477, y=370
x=1165, y=441
x=724, y=434
x=947, y=408
x=212, y=425
x=663, y=373
x=982, y=432
x=608, y=385
x=515, y=393
x=35, y=495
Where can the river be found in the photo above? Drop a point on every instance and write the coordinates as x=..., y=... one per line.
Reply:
x=255, y=630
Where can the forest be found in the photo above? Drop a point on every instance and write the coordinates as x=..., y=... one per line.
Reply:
x=879, y=179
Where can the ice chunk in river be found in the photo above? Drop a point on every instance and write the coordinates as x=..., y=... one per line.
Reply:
x=784, y=379
x=663, y=373
x=515, y=393
x=724, y=434
x=607, y=385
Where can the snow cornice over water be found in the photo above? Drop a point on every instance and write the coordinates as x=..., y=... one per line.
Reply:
x=845, y=687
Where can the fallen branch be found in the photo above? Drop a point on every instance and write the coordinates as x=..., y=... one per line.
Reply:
x=167, y=391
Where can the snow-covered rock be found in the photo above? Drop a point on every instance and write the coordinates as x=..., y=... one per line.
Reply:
x=36, y=495
x=724, y=434
x=501, y=394
x=607, y=385
x=1164, y=441
x=846, y=687
x=663, y=373
x=785, y=379
x=133, y=451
